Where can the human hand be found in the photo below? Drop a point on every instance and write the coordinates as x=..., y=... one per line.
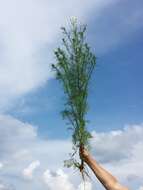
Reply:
x=84, y=154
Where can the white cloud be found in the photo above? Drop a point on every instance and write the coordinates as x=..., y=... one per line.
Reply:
x=141, y=188
x=86, y=185
x=58, y=180
x=4, y=186
x=26, y=28
x=28, y=172
x=1, y=165
x=20, y=145
x=121, y=153
x=13, y=134
x=115, y=141
x=118, y=151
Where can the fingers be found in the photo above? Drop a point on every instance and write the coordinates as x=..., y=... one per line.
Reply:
x=83, y=152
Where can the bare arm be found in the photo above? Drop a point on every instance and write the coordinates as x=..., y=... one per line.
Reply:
x=107, y=180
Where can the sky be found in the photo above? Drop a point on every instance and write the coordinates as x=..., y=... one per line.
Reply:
x=32, y=132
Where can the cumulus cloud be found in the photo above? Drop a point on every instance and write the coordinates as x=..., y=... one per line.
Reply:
x=121, y=153
x=5, y=186
x=58, y=180
x=86, y=185
x=13, y=133
x=120, y=144
x=26, y=146
x=20, y=145
x=28, y=31
x=28, y=172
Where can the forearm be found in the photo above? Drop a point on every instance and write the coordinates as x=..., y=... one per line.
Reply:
x=108, y=181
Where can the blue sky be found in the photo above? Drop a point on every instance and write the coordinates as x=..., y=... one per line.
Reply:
x=31, y=99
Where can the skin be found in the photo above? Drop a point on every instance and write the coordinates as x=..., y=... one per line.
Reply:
x=107, y=180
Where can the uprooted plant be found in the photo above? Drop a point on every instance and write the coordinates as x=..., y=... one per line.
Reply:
x=74, y=67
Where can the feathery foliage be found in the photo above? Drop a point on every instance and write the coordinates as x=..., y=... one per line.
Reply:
x=74, y=67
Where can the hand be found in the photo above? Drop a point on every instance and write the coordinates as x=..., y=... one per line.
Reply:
x=84, y=154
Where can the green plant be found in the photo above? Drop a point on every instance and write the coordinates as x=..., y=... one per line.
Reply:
x=74, y=67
